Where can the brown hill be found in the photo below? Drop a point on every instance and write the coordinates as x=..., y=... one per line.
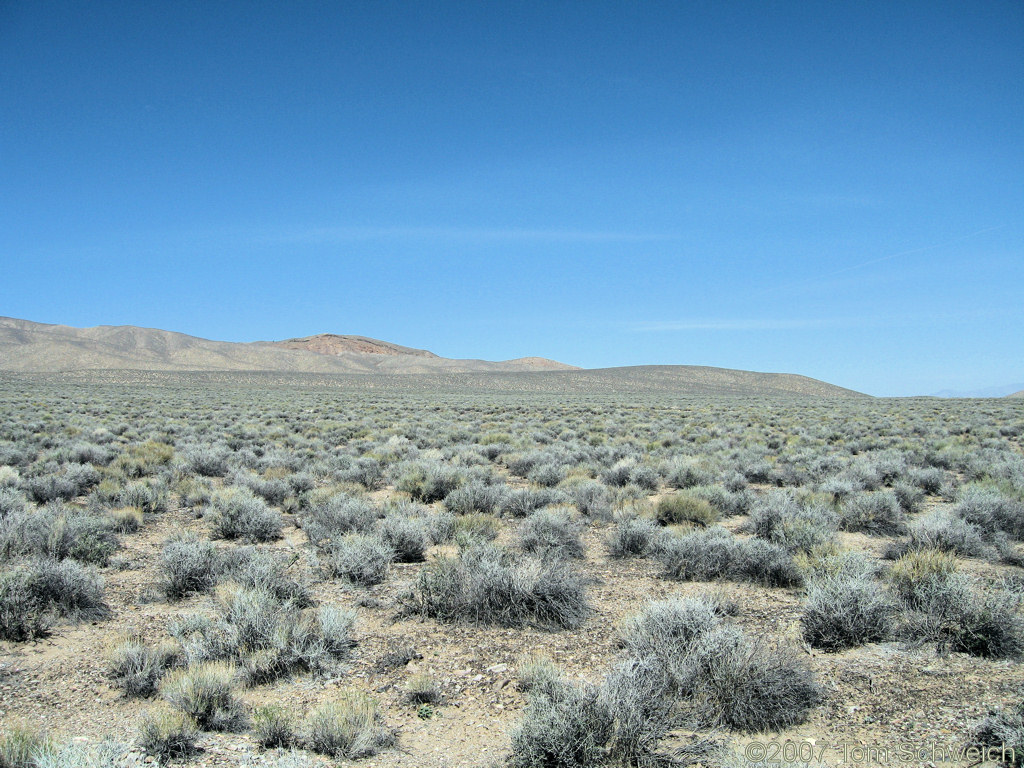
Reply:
x=333, y=344
x=42, y=347
x=1016, y=394
x=128, y=353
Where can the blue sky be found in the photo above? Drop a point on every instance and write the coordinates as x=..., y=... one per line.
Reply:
x=834, y=189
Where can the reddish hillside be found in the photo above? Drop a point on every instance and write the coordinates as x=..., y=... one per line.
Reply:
x=335, y=344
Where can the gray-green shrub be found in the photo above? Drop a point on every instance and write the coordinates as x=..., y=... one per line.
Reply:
x=683, y=507
x=207, y=460
x=408, y=537
x=781, y=519
x=187, y=566
x=37, y=592
x=1003, y=731
x=877, y=513
x=58, y=531
x=253, y=568
x=592, y=499
x=265, y=637
x=363, y=559
x=474, y=497
x=339, y=515
x=664, y=628
x=718, y=674
x=239, y=514
x=634, y=537
x=349, y=727
x=522, y=501
x=12, y=503
x=137, y=668
x=273, y=726
x=714, y=553
x=686, y=474
x=943, y=532
x=991, y=511
x=567, y=726
x=168, y=734
x=203, y=693
x=551, y=532
x=488, y=585
x=843, y=612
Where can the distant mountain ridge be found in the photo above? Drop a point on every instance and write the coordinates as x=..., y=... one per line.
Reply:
x=42, y=347
x=1006, y=390
x=29, y=347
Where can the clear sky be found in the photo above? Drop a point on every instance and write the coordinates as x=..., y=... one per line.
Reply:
x=834, y=189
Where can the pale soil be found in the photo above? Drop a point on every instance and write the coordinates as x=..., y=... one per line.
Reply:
x=878, y=695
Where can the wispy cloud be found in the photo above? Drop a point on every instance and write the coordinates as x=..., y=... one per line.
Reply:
x=747, y=324
x=913, y=251
x=855, y=275
x=868, y=320
x=339, y=234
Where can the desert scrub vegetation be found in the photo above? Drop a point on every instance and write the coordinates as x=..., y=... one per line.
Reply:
x=915, y=576
x=1003, y=732
x=551, y=532
x=685, y=668
x=206, y=460
x=716, y=672
x=188, y=565
x=69, y=481
x=634, y=537
x=477, y=528
x=408, y=535
x=349, y=727
x=991, y=512
x=137, y=668
x=21, y=746
x=340, y=514
x=779, y=517
x=490, y=585
x=959, y=612
x=203, y=693
x=472, y=507
x=59, y=532
x=520, y=502
x=714, y=553
x=273, y=726
x=941, y=531
x=264, y=637
x=475, y=497
x=151, y=497
x=265, y=571
x=36, y=593
x=168, y=734
x=361, y=559
x=623, y=721
x=679, y=508
x=50, y=753
x=126, y=519
x=422, y=689
x=843, y=610
x=143, y=459
x=873, y=512
x=686, y=472
x=428, y=482
x=240, y=514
